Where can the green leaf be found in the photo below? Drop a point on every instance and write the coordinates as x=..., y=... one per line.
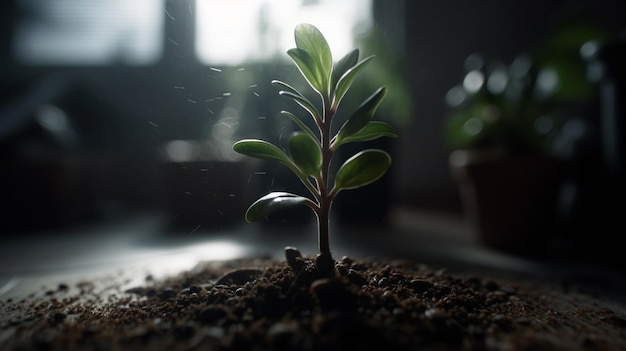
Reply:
x=271, y=203
x=306, y=153
x=267, y=151
x=372, y=130
x=263, y=150
x=282, y=85
x=311, y=70
x=298, y=97
x=313, y=58
x=304, y=102
x=300, y=124
x=346, y=80
x=343, y=65
x=311, y=40
x=362, y=169
x=362, y=116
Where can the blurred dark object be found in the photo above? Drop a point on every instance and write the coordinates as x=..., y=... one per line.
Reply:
x=607, y=67
x=602, y=242
x=48, y=181
x=509, y=201
x=51, y=192
x=202, y=192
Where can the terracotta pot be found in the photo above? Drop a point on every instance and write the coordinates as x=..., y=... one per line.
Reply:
x=509, y=200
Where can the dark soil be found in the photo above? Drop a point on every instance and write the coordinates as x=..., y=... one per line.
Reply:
x=266, y=304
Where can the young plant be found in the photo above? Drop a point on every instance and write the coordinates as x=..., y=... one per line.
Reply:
x=309, y=153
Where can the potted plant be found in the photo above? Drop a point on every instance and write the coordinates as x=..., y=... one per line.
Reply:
x=500, y=128
x=519, y=133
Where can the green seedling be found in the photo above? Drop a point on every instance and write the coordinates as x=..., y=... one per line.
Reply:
x=310, y=152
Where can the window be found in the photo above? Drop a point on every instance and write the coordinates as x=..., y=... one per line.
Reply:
x=93, y=32
x=231, y=32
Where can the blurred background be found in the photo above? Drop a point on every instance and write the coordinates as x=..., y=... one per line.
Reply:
x=510, y=117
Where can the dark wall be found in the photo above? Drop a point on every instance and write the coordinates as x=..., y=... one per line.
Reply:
x=127, y=112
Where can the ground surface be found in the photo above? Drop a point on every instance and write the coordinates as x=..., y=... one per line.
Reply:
x=266, y=304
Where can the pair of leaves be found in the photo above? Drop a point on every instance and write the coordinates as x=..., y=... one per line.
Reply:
x=359, y=127
x=314, y=60
x=361, y=169
x=360, y=119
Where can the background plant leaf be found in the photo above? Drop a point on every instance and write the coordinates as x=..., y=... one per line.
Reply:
x=305, y=153
x=271, y=203
x=362, y=116
x=362, y=169
x=372, y=130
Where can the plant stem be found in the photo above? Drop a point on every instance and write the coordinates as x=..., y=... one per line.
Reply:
x=325, y=201
x=323, y=229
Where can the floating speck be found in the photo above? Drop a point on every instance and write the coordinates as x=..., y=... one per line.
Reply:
x=214, y=69
x=172, y=41
x=255, y=174
x=220, y=212
x=188, y=193
x=195, y=229
x=253, y=86
x=226, y=94
x=210, y=111
x=225, y=124
x=256, y=94
x=192, y=101
x=241, y=69
x=153, y=124
x=179, y=87
x=232, y=195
